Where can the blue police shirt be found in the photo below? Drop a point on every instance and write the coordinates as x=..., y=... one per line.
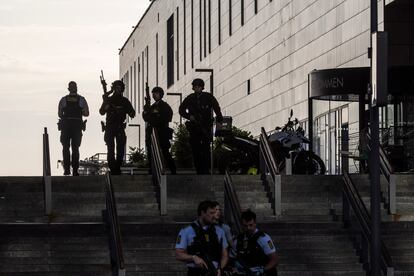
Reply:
x=266, y=244
x=186, y=237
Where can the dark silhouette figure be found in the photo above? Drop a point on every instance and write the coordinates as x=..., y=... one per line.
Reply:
x=197, y=109
x=116, y=108
x=158, y=115
x=71, y=109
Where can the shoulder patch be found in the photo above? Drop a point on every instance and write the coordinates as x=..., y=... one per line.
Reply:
x=178, y=239
x=270, y=243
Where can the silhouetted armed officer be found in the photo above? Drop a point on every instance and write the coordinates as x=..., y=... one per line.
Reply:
x=203, y=245
x=255, y=249
x=197, y=108
x=116, y=108
x=158, y=115
x=71, y=109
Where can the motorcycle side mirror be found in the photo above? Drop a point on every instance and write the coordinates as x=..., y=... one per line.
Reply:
x=296, y=121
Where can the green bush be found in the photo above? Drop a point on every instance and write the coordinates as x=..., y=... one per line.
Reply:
x=181, y=149
x=138, y=157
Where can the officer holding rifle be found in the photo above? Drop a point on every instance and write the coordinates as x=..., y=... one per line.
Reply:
x=116, y=108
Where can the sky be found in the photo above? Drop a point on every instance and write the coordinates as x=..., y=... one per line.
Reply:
x=44, y=44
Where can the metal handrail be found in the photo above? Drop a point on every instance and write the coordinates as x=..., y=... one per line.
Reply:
x=268, y=166
x=388, y=171
x=158, y=171
x=232, y=209
x=47, y=178
x=110, y=216
x=353, y=201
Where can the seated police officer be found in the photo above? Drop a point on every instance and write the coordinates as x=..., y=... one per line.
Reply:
x=255, y=249
x=203, y=245
x=116, y=108
x=158, y=115
x=71, y=109
x=197, y=109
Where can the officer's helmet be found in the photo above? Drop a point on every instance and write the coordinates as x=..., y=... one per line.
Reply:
x=119, y=83
x=198, y=82
x=159, y=90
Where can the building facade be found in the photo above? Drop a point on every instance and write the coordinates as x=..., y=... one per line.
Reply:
x=261, y=53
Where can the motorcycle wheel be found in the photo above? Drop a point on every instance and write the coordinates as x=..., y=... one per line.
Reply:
x=307, y=162
x=232, y=162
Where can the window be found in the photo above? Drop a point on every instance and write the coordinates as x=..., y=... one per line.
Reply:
x=219, y=21
x=201, y=32
x=156, y=59
x=185, y=39
x=242, y=12
x=170, y=51
x=205, y=28
x=143, y=78
x=230, y=4
x=248, y=87
x=209, y=26
x=192, y=33
x=178, y=46
x=139, y=83
x=135, y=86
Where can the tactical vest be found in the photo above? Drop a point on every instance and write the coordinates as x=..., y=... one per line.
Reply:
x=250, y=252
x=205, y=242
x=72, y=110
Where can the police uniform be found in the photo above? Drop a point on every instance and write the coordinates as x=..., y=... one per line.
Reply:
x=253, y=251
x=119, y=107
x=196, y=240
x=158, y=116
x=199, y=105
x=70, y=112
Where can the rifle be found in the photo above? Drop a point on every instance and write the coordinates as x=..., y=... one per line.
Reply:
x=211, y=269
x=104, y=85
x=245, y=268
x=147, y=96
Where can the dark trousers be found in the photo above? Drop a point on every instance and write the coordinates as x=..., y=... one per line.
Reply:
x=165, y=149
x=200, y=147
x=71, y=136
x=111, y=137
x=196, y=271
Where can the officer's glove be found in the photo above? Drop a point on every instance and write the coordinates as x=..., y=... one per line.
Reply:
x=260, y=271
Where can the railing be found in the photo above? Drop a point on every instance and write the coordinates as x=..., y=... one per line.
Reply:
x=270, y=170
x=388, y=172
x=110, y=217
x=232, y=210
x=353, y=204
x=158, y=171
x=47, y=178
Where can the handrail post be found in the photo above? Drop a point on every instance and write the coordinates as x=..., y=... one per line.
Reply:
x=47, y=179
x=278, y=195
x=289, y=164
x=163, y=195
x=392, y=187
x=158, y=172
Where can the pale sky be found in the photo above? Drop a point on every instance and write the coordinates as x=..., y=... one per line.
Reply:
x=44, y=44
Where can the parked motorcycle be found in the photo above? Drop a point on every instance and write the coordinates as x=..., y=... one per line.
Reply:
x=240, y=154
x=288, y=142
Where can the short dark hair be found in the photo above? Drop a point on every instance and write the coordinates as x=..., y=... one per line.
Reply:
x=215, y=203
x=204, y=205
x=159, y=90
x=198, y=82
x=248, y=215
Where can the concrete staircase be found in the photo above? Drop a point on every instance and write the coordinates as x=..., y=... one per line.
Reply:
x=399, y=239
x=54, y=249
x=72, y=241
